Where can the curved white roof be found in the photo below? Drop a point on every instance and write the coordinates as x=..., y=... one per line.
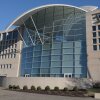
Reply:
x=89, y=8
x=24, y=16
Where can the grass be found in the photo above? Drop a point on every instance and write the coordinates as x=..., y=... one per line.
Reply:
x=94, y=90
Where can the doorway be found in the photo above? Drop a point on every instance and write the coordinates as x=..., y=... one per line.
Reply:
x=68, y=75
x=1, y=80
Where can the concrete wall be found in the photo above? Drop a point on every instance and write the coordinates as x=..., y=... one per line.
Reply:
x=15, y=62
x=92, y=56
x=44, y=81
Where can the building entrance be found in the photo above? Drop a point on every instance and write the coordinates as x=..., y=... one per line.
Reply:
x=1, y=79
x=69, y=75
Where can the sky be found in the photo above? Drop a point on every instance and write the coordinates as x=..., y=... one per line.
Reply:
x=11, y=9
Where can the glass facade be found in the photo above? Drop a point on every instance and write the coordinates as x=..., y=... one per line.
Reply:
x=59, y=35
x=8, y=44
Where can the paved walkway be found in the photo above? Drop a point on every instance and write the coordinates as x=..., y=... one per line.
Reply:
x=12, y=95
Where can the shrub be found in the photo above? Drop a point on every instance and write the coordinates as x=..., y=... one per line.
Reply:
x=14, y=87
x=25, y=87
x=39, y=88
x=17, y=87
x=10, y=87
x=84, y=90
x=96, y=85
x=75, y=88
x=65, y=89
x=56, y=88
x=33, y=88
x=47, y=88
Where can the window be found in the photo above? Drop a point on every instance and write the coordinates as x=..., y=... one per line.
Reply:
x=45, y=70
x=56, y=58
x=98, y=27
x=6, y=51
x=94, y=47
x=8, y=55
x=45, y=64
x=14, y=55
x=5, y=56
x=55, y=63
x=15, y=45
x=94, y=34
x=94, y=28
x=12, y=50
x=56, y=70
x=68, y=57
x=94, y=41
x=9, y=65
x=2, y=56
x=35, y=70
x=4, y=66
x=56, y=52
x=99, y=47
x=11, y=55
x=67, y=70
x=68, y=45
x=68, y=51
x=99, y=40
x=68, y=63
x=15, y=50
x=98, y=33
x=1, y=66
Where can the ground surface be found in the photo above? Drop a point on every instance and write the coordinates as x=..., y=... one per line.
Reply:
x=13, y=95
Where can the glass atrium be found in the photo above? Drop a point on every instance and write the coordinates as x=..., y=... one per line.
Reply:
x=54, y=43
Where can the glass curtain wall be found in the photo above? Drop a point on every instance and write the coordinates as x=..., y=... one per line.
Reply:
x=8, y=44
x=59, y=36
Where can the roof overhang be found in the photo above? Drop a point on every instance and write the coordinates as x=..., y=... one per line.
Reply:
x=89, y=8
x=24, y=16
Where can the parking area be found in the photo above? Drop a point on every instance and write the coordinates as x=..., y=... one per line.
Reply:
x=12, y=95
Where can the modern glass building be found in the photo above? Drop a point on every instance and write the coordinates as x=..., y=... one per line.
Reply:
x=53, y=41
x=58, y=45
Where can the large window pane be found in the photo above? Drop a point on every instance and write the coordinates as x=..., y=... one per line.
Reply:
x=44, y=70
x=38, y=47
x=37, y=64
x=67, y=57
x=67, y=63
x=45, y=52
x=56, y=52
x=56, y=70
x=78, y=70
x=35, y=59
x=78, y=50
x=67, y=70
x=28, y=65
x=56, y=46
x=45, y=58
x=49, y=16
x=45, y=64
x=68, y=45
x=79, y=63
x=36, y=54
x=56, y=64
x=36, y=70
x=46, y=47
x=94, y=28
x=68, y=51
x=55, y=58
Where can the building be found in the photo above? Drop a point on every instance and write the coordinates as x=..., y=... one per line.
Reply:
x=56, y=40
